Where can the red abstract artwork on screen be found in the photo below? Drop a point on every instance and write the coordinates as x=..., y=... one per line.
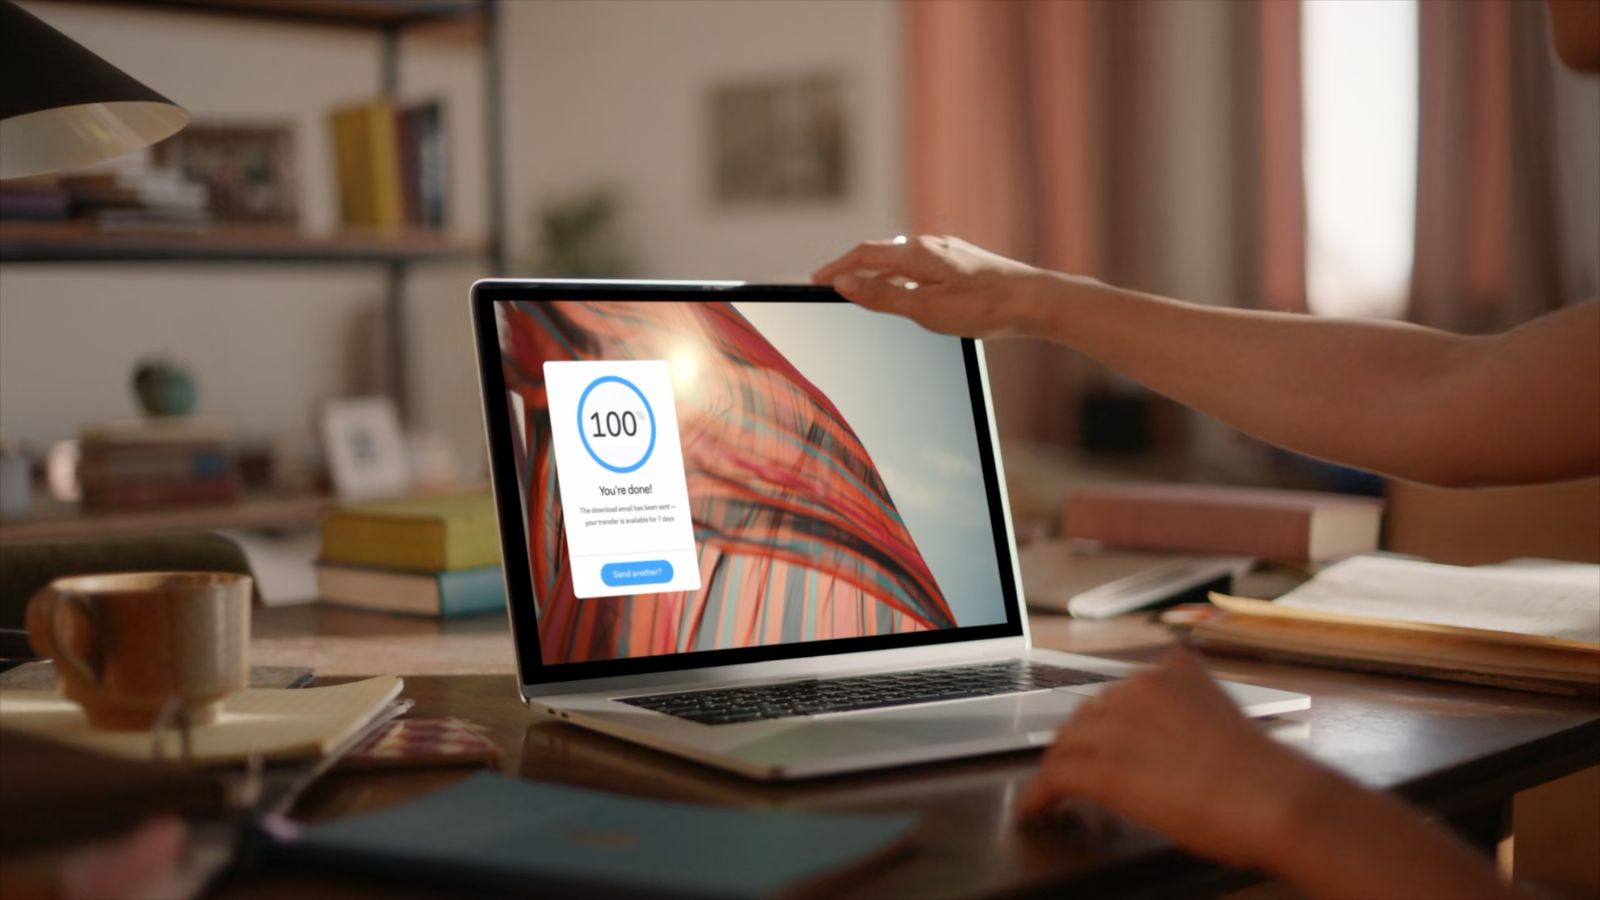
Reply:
x=798, y=537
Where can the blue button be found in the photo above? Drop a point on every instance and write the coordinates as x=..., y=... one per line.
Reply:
x=623, y=574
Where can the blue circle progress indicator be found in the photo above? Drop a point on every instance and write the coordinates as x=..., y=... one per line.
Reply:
x=610, y=431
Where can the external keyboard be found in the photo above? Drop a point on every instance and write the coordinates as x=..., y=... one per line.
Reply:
x=726, y=706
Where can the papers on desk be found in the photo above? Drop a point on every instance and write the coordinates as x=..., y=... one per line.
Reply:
x=1555, y=604
x=281, y=563
x=1527, y=624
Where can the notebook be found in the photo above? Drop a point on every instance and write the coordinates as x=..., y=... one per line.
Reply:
x=1531, y=625
x=280, y=724
x=497, y=832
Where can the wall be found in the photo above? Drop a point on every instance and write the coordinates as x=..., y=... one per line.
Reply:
x=615, y=93
x=595, y=93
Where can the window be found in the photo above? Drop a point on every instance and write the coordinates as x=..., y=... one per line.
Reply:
x=1360, y=91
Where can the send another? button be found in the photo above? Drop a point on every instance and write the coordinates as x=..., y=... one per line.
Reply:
x=625, y=574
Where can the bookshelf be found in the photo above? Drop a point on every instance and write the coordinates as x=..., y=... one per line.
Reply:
x=354, y=13
x=56, y=242
x=83, y=242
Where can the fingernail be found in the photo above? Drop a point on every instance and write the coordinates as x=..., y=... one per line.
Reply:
x=844, y=284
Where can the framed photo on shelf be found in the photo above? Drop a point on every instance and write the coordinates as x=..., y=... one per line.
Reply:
x=248, y=170
x=365, y=449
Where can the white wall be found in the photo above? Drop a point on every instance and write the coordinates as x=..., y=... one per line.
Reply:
x=615, y=93
x=596, y=93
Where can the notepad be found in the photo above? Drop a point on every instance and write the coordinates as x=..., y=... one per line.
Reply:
x=279, y=724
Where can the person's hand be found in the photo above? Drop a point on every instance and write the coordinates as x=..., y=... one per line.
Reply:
x=1167, y=749
x=943, y=283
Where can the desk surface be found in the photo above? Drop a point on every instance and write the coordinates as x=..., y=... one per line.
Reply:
x=1456, y=749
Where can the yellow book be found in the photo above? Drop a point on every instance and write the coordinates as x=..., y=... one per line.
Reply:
x=433, y=534
x=366, y=147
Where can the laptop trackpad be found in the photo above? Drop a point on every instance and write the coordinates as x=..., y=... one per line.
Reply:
x=985, y=719
x=970, y=720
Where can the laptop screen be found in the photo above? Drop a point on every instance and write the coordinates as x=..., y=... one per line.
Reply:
x=746, y=478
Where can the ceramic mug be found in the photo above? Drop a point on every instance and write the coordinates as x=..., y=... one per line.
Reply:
x=126, y=645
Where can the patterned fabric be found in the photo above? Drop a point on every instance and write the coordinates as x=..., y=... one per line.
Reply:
x=798, y=537
x=415, y=743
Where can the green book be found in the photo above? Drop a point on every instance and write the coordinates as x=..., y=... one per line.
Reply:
x=431, y=534
x=502, y=833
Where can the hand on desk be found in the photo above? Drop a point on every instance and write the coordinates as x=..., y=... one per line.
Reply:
x=1167, y=749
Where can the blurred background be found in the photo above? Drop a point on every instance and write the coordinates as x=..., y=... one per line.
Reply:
x=354, y=164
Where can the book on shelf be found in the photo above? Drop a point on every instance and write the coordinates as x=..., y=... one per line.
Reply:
x=40, y=198
x=1532, y=625
x=443, y=595
x=391, y=164
x=157, y=464
x=424, y=164
x=1265, y=523
x=148, y=199
x=153, y=219
x=429, y=534
x=366, y=157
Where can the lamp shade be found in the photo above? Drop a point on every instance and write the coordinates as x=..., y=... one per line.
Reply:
x=62, y=107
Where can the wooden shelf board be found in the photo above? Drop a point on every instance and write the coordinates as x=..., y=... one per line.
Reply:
x=83, y=242
x=259, y=512
x=357, y=13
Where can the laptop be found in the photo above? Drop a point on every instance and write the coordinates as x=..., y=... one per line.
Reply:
x=762, y=528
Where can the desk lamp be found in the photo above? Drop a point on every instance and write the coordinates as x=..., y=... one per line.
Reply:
x=62, y=107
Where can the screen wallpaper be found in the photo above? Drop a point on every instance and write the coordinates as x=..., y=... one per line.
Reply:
x=711, y=475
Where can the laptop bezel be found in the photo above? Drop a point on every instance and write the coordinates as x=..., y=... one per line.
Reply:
x=537, y=678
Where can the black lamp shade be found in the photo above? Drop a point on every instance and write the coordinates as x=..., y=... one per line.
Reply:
x=62, y=107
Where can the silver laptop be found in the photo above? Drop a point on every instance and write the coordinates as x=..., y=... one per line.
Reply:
x=762, y=528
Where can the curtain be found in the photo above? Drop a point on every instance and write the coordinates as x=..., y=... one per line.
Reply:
x=1489, y=241
x=1154, y=144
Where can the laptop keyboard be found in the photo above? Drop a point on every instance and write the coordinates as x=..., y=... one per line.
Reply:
x=727, y=706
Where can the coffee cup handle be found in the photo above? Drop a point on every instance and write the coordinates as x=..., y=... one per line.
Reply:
x=45, y=615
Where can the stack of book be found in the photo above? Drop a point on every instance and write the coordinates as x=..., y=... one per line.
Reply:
x=156, y=464
x=435, y=556
x=155, y=199
x=40, y=198
x=1283, y=526
x=391, y=163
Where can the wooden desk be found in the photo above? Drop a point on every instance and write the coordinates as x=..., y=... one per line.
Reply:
x=1460, y=751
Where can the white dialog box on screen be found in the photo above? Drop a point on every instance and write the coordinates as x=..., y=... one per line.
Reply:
x=619, y=464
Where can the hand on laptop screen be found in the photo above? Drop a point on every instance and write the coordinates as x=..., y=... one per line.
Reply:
x=687, y=487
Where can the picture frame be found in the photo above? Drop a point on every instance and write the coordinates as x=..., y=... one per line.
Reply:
x=365, y=448
x=780, y=140
x=248, y=169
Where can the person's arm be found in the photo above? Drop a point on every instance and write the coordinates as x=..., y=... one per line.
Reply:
x=1167, y=749
x=1403, y=400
